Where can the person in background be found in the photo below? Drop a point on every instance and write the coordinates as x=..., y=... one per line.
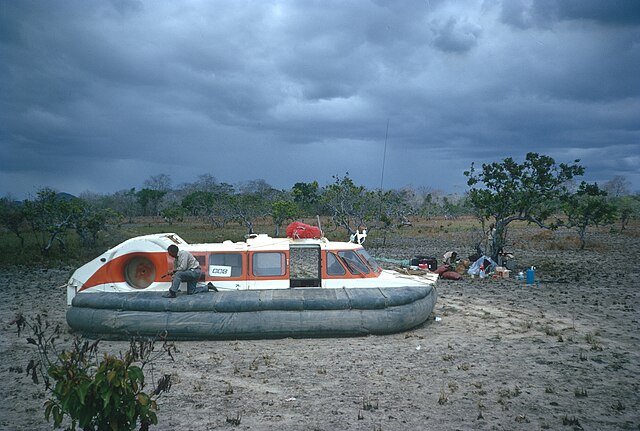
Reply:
x=185, y=268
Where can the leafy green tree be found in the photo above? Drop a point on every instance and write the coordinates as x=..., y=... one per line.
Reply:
x=428, y=206
x=507, y=191
x=198, y=203
x=50, y=216
x=588, y=206
x=307, y=196
x=89, y=221
x=282, y=211
x=212, y=206
x=628, y=208
x=455, y=206
x=173, y=212
x=149, y=200
x=12, y=217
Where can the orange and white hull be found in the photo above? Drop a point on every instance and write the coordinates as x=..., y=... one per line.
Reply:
x=260, y=262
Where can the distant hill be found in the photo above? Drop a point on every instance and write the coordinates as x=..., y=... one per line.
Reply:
x=63, y=196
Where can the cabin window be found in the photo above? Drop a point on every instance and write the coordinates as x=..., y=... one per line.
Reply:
x=268, y=264
x=353, y=262
x=225, y=265
x=369, y=260
x=333, y=265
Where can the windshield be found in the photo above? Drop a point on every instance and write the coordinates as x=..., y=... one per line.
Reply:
x=369, y=260
x=353, y=262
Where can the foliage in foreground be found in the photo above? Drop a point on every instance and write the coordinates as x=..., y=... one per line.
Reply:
x=96, y=394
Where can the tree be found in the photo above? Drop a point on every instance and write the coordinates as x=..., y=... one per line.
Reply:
x=306, y=196
x=198, y=203
x=258, y=187
x=173, y=212
x=349, y=205
x=160, y=182
x=528, y=191
x=617, y=186
x=248, y=207
x=628, y=208
x=215, y=206
x=51, y=215
x=394, y=209
x=283, y=210
x=149, y=200
x=125, y=202
x=12, y=216
x=428, y=206
x=89, y=221
x=588, y=206
x=206, y=183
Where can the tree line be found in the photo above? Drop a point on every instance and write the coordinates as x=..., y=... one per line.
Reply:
x=538, y=191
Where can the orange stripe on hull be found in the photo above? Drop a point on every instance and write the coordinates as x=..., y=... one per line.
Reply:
x=127, y=269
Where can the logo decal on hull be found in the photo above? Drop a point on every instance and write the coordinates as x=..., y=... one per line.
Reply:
x=219, y=271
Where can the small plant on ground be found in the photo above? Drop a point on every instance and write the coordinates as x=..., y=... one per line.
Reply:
x=444, y=398
x=618, y=406
x=235, y=420
x=369, y=403
x=591, y=339
x=552, y=332
x=570, y=421
x=580, y=392
x=94, y=392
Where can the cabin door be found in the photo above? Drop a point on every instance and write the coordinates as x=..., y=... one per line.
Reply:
x=305, y=266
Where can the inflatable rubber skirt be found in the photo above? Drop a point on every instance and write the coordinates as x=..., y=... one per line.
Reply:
x=252, y=314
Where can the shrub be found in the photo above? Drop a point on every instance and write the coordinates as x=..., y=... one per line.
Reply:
x=96, y=394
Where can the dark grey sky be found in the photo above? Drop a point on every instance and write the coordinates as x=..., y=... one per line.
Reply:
x=101, y=95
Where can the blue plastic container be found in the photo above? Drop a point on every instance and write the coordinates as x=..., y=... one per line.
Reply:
x=531, y=275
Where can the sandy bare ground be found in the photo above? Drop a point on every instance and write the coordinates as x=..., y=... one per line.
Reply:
x=562, y=354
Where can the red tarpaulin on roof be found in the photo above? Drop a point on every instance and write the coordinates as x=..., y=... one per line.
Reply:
x=302, y=230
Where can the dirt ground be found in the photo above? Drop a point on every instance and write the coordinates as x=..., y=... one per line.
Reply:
x=561, y=354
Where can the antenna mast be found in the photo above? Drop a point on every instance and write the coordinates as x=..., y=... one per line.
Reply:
x=384, y=155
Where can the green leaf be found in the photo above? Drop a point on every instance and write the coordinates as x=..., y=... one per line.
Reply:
x=47, y=409
x=143, y=399
x=106, y=396
x=135, y=373
x=111, y=375
x=57, y=416
x=82, y=390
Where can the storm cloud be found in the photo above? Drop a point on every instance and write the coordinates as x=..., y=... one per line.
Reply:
x=100, y=96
